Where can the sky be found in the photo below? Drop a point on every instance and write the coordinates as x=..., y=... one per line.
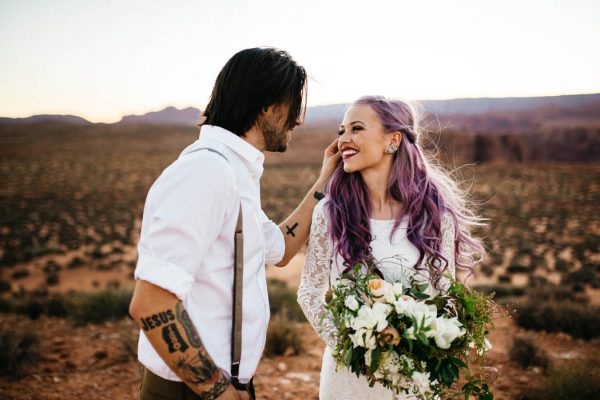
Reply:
x=102, y=59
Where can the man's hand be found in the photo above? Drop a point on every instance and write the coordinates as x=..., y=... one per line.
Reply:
x=232, y=394
x=331, y=159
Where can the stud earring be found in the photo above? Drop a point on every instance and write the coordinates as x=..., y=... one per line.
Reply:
x=391, y=149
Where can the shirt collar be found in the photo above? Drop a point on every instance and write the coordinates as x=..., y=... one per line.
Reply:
x=254, y=158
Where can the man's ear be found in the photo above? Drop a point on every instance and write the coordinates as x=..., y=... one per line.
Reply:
x=267, y=111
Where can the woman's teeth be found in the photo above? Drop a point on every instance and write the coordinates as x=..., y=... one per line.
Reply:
x=348, y=153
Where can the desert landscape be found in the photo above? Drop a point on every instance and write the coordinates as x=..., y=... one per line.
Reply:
x=71, y=205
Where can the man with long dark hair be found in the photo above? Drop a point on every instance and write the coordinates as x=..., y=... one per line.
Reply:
x=184, y=274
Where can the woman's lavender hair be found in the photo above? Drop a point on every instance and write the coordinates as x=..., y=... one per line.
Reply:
x=425, y=189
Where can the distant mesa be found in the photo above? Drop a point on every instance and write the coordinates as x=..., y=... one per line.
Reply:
x=67, y=119
x=169, y=116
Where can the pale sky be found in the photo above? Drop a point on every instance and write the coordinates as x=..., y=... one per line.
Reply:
x=104, y=59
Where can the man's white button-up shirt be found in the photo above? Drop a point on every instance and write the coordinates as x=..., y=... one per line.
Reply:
x=186, y=246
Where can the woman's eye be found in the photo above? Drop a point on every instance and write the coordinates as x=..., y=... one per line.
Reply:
x=356, y=128
x=340, y=133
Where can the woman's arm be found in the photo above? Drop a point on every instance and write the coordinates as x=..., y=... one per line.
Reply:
x=315, y=279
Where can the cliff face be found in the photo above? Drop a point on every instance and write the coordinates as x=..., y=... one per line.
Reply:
x=559, y=145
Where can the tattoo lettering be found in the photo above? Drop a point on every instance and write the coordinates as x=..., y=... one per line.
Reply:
x=197, y=369
x=290, y=231
x=156, y=320
x=190, y=330
x=173, y=339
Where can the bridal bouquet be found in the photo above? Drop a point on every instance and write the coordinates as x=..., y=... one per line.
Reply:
x=406, y=338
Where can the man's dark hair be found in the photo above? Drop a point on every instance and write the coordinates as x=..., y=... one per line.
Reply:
x=251, y=80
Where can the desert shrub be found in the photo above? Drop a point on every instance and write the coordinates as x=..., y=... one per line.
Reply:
x=559, y=310
x=588, y=274
x=30, y=306
x=51, y=267
x=17, y=350
x=283, y=300
x=20, y=273
x=526, y=353
x=575, y=380
x=500, y=291
x=75, y=262
x=6, y=305
x=4, y=286
x=52, y=278
x=518, y=268
x=283, y=337
x=58, y=306
x=105, y=305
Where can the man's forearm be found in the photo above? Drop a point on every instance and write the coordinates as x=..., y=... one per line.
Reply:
x=296, y=227
x=174, y=337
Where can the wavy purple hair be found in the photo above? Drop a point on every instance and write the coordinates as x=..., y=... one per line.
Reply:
x=424, y=188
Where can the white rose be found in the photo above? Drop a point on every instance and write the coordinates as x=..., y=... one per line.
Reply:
x=374, y=317
x=425, y=314
x=362, y=338
x=351, y=303
x=404, y=305
x=444, y=331
x=421, y=382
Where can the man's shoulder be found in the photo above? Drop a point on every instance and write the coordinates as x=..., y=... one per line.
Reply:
x=199, y=170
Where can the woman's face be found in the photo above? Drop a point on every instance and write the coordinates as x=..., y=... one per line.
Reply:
x=363, y=140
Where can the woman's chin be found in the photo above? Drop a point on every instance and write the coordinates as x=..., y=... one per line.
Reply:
x=349, y=168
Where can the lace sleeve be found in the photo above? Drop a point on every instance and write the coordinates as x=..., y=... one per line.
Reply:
x=315, y=278
x=448, y=248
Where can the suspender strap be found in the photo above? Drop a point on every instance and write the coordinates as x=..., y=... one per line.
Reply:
x=238, y=286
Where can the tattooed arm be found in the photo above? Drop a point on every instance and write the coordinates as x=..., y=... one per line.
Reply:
x=296, y=227
x=167, y=325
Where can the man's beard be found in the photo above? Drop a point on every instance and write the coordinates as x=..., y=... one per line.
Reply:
x=274, y=136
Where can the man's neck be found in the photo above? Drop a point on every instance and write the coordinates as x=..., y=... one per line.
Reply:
x=255, y=137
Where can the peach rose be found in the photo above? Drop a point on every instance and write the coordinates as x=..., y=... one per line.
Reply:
x=379, y=288
x=390, y=336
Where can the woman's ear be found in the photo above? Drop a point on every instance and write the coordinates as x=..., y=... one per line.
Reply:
x=396, y=139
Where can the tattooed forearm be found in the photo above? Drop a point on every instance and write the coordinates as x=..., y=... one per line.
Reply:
x=197, y=369
x=184, y=318
x=217, y=390
x=156, y=320
x=290, y=231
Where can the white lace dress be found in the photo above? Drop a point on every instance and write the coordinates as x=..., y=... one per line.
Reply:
x=395, y=259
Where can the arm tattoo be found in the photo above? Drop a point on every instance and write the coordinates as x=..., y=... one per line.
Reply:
x=197, y=369
x=290, y=231
x=173, y=339
x=156, y=320
x=186, y=322
x=217, y=390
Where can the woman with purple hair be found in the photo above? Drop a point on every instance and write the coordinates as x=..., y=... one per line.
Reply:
x=386, y=204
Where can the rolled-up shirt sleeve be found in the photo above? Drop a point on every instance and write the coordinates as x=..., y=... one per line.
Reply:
x=184, y=212
x=274, y=241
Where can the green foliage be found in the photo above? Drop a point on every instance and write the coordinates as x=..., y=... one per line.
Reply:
x=526, y=353
x=105, y=305
x=283, y=300
x=17, y=351
x=283, y=337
